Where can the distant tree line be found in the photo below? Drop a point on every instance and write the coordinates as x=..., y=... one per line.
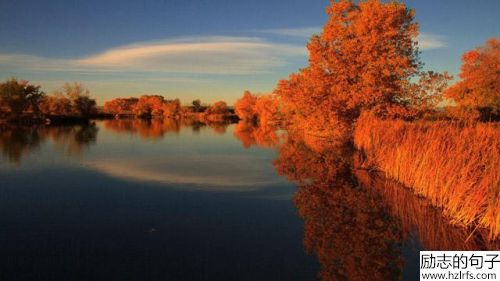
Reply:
x=21, y=100
x=156, y=106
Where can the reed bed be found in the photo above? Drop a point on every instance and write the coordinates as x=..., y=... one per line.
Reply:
x=455, y=165
x=417, y=215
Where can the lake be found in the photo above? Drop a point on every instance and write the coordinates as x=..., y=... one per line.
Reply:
x=164, y=200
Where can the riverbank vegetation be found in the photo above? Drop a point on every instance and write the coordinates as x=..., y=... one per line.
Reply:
x=455, y=161
x=258, y=109
x=157, y=107
x=455, y=165
x=418, y=215
x=477, y=94
x=26, y=103
x=365, y=84
x=22, y=102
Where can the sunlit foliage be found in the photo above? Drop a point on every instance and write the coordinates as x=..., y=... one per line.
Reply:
x=18, y=98
x=171, y=108
x=421, y=98
x=120, y=105
x=418, y=216
x=245, y=107
x=149, y=106
x=258, y=109
x=71, y=100
x=56, y=104
x=477, y=94
x=216, y=112
x=219, y=107
x=455, y=166
x=362, y=60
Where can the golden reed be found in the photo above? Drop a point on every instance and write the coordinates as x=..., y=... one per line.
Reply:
x=455, y=165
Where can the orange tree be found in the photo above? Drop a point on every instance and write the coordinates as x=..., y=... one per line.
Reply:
x=19, y=97
x=478, y=91
x=219, y=107
x=362, y=59
x=120, y=105
x=245, y=107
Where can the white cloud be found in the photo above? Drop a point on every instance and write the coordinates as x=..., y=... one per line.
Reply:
x=305, y=32
x=202, y=54
x=214, y=55
x=427, y=41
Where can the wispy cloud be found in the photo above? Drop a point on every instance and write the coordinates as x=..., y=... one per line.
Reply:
x=428, y=41
x=209, y=54
x=304, y=32
x=228, y=55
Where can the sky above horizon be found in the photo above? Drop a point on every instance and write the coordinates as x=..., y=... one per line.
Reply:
x=199, y=49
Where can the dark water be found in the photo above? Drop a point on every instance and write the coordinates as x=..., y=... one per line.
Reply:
x=136, y=200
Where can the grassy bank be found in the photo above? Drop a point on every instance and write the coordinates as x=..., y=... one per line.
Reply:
x=455, y=166
x=417, y=215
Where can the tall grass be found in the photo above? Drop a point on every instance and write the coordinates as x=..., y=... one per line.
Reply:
x=456, y=166
x=417, y=215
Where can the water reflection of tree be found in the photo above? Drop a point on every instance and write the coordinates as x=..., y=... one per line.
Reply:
x=250, y=134
x=16, y=141
x=355, y=221
x=159, y=128
x=148, y=129
x=417, y=215
x=349, y=230
x=218, y=128
x=71, y=139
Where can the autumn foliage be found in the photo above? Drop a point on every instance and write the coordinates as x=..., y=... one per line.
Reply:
x=245, y=107
x=146, y=106
x=455, y=166
x=216, y=112
x=352, y=218
x=258, y=109
x=72, y=100
x=418, y=216
x=157, y=107
x=477, y=94
x=365, y=63
x=18, y=98
x=362, y=60
x=120, y=106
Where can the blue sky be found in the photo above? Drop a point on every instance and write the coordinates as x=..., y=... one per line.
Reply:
x=206, y=49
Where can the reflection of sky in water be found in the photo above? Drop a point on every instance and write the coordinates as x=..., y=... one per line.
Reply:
x=96, y=197
x=187, y=159
x=205, y=160
x=229, y=173
x=183, y=206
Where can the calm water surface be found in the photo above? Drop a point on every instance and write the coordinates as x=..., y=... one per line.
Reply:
x=136, y=200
